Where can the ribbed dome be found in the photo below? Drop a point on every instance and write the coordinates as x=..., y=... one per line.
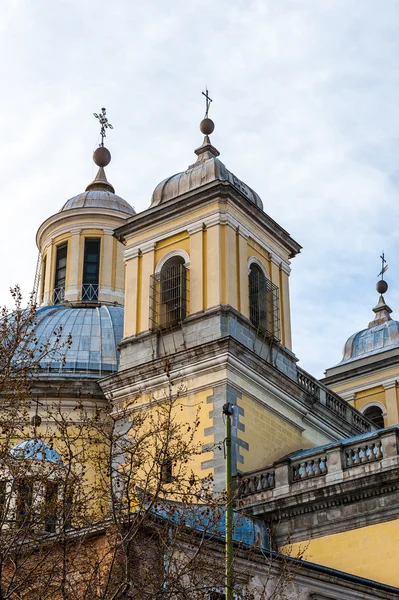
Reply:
x=99, y=199
x=372, y=341
x=95, y=332
x=207, y=169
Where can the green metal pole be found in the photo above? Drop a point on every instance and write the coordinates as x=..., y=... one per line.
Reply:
x=228, y=411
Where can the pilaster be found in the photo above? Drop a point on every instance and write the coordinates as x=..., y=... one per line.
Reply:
x=391, y=403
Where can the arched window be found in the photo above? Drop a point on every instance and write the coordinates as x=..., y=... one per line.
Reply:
x=264, y=303
x=375, y=414
x=257, y=297
x=169, y=293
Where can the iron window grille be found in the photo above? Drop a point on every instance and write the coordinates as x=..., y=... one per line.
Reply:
x=264, y=304
x=169, y=293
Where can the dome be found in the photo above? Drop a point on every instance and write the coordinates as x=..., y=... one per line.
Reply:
x=206, y=170
x=372, y=340
x=37, y=450
x=99, y=199
x=95, y=334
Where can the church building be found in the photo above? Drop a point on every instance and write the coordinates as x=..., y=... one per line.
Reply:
x=196, y=289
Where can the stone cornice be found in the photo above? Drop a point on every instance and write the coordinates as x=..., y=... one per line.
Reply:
x=204, y=195
x=215, y=218
x=81, y=218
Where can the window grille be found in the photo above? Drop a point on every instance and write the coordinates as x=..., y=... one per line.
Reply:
x=264, y=304
x=91, y=266
x=169, y=294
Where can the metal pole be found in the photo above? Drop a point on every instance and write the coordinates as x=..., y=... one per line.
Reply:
x=228, y=411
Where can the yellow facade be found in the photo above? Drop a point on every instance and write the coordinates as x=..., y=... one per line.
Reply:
x=218, y=270
x=370, y=552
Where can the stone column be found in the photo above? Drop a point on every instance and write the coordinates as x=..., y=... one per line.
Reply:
x=243, y=271
x=391, y=402
x=230, y=269
x=196, y=268
x=147, y=268
x=74, y=278
x=48, y=283
x=132, y=283
x=213, y=266
x=285, y=307
x=106, y=264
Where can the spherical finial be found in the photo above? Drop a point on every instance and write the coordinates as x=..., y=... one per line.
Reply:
x=207, y=126
x=102, y=156
x=381, y=286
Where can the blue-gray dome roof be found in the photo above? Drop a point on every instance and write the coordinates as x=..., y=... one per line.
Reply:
x=206, y=170
x=99, y=199
x=372, y=340
x=95, y=333
x=36, y=449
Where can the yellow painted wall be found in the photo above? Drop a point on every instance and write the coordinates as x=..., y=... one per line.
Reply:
x=269, y=435
x=370, y=552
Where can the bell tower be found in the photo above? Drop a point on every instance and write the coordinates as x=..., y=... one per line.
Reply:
x=207, y=289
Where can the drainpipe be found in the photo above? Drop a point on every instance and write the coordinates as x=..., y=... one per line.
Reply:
x=228, y=412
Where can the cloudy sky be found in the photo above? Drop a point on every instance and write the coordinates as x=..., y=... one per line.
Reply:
x=306, y=106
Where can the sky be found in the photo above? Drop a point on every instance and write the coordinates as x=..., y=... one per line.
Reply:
x=306, y=107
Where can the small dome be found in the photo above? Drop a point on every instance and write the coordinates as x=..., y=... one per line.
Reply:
x=35, y=449
x=99, y=199
x=372, y=340
x=95, y=334
x=206, y=170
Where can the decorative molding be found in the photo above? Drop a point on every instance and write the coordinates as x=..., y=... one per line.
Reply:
x=129, y=253
x=195, y=227
x=147, y=247
x=390, y=384
x=177, y=252
x=253, y=260
x=108, y=231
x=217, y=218
x=68, y=229
x=374, y=403
x=76, y=230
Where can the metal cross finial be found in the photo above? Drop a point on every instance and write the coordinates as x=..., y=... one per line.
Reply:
x=104, y=124
x=208, y=102
x=384, y=266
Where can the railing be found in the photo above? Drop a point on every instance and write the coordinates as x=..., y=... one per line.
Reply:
x=363, y=453
x=259, y=482
x=87, y=292
x=58, y=295
x=90, y=292
x=283, y=477
x=321, y=393
x=309, y=384
x=309, y=468
x=335, y=404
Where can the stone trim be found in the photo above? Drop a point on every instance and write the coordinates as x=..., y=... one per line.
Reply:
x=216, y=218
x=253, y=260
x=177, y=252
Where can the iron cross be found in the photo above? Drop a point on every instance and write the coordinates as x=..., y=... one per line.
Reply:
x=208, y=102
x=102, y=117
x=384, y=266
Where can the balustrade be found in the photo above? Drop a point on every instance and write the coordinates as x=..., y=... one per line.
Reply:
x=313, y=467
x=308, y=384
x=259, y=482
x=335, y=404
x=365, y=453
